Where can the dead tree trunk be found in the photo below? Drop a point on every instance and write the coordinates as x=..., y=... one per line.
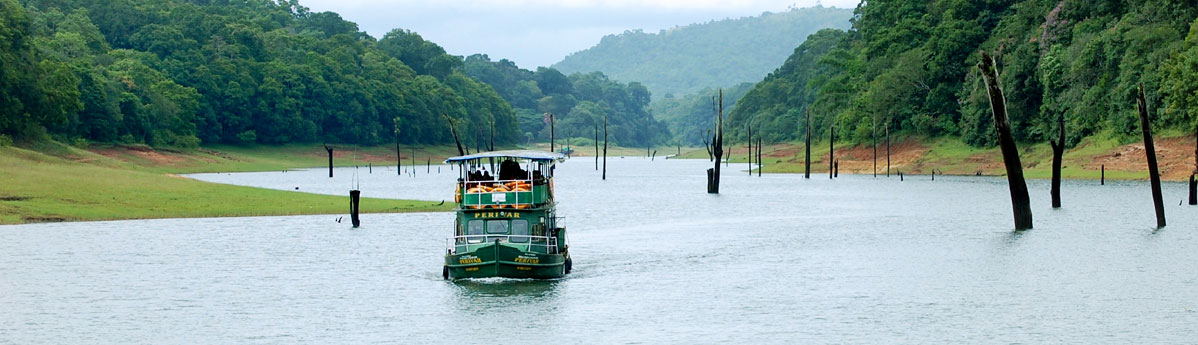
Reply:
x=1020, y=203
x=605, y=147
x=552, y=142
x=1193, y=190
x=452, y=130
x=807, y=159
x=1150, y=150
x=354, y=197
x=1058, y=152
x=831, y=151
x=1102, y=176
x=713, y=176
x=330, y=149
x=1193, y=185
x=760, y=166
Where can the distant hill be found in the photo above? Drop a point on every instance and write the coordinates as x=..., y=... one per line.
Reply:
x=687, y=59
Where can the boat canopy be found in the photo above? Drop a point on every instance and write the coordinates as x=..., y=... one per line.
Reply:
x=540, y=156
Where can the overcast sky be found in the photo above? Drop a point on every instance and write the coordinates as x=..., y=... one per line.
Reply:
x=539, y=32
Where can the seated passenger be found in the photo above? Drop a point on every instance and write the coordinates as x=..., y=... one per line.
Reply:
x=510, y=170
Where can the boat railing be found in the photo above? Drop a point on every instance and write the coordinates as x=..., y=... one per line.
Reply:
x=522, y=193
x=538, y=244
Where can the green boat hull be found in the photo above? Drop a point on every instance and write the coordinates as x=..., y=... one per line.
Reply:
x=498, y=260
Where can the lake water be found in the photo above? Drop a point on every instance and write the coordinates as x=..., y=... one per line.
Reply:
x=656, y=260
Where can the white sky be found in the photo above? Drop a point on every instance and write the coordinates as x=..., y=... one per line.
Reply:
x=539, y=32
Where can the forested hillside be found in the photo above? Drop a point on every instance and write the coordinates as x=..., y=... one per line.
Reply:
x=181, y=73
x=579, y=102
x=910, y=65
x=690, y=118
x=684, y=60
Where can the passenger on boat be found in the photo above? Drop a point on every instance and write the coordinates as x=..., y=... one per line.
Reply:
x=510, y=170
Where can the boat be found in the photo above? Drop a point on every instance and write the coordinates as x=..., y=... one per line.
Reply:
x=506, y=224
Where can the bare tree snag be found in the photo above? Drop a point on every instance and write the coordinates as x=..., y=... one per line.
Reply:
x=1058, y=152
x=552, y=142
x=1193, y=185
x=1020, y=203
x=717, y=143
x=1102, y=176
x=760, y=165
x=807, y=159
x=452, y=130
x=1150, y=151
x=354, y=197
x=831, y=151
x=330, y=149
x=605, y=147
x=874, y=127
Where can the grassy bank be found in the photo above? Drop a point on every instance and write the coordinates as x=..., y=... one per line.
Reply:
x=53, y=182
x=951, y=156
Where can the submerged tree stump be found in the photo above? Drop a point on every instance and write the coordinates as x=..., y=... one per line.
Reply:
x=807, y=146
x=1150, y=151
x=354, y=197
x=831, y=152
x=330, y=149
x=1020, y=203
x=717, y=143
x=1193, y=186
x=1058, y=152
x=605, y=147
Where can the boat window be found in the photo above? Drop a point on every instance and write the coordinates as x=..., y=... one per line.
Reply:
x=520, y=228
x=497, y=227
x=475, y=227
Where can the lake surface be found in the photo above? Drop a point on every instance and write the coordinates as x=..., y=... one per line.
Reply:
x=656, y=260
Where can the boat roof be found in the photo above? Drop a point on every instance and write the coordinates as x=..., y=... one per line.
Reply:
x=521, y=154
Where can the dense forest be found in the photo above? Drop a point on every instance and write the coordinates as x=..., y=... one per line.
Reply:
x=684, y=60
x=579, y=102
x=181, y=73
x=910, y=65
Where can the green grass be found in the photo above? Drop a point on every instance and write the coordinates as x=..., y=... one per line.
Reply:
x=76, y=185
x=269, y=158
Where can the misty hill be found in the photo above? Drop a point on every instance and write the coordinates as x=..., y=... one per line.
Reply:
x=687, y=59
